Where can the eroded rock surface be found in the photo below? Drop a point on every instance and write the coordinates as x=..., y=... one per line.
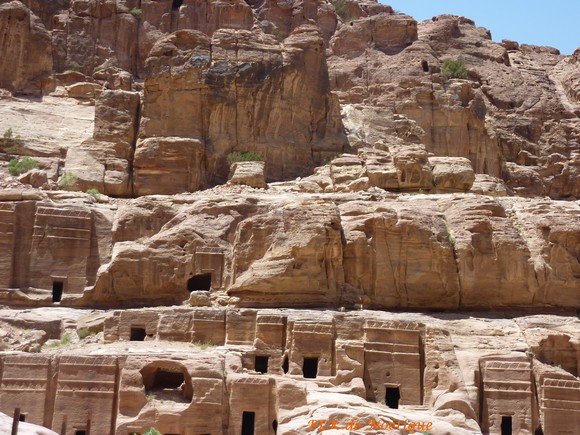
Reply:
x=270, y=248
x=364, y=273
x=368, y=368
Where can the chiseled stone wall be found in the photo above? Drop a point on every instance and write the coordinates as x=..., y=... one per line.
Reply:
x=261, y=370
x=508, y=396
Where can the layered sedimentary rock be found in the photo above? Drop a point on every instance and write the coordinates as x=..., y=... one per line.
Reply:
x=239, y=91
x=270, y=247
x=361, y=277
x=514, y=116
x=103, y=162
x=177, y=369
x=27, y=43
x=493, y=117
x=54, y=248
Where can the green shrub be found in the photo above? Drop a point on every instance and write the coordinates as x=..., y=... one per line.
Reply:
x=341, y=9
x=203, y=345
x=151, y=431
x=21, y=165
x=84, y=332
x=136, y=11
x=94, y=193
x=452, y=240
x=453, y=69
x=11, y=142
x=67, y=181
x=8, y=135
x=66, y=339
x=240, y=156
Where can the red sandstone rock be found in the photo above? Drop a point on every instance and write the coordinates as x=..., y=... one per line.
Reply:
x=27, y=45
x=375, y=228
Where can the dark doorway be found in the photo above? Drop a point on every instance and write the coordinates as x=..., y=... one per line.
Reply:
x=506, y=425
x=248, y=423
x=167, y=383
x=425, y=66
x=285, y=364
x=176, y=4
x=310, y=368
x=165, y=379
x=261, y=364
x=138, y=334
x=199, y=282
x=392, y=397
x=22, y=417
x=57, y=289
x=275, y=426
x=81, y=432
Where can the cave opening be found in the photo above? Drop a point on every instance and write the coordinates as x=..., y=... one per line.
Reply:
x=392, y=396
x=310, y=368
x=201, y=282
x=425, y=66
x=261, y=364
x=248, y=419
x=285, y=364
x=57, y=289
x=167, y=383
x=164, y=379
x=176, y=4
x=138, y=334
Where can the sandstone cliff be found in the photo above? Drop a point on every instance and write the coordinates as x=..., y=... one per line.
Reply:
x=406, y=252
x=271, y=77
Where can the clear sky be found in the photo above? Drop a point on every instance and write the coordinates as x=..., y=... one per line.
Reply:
x=554, y=22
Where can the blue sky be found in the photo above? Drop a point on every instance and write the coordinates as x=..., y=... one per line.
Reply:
x=554, y=22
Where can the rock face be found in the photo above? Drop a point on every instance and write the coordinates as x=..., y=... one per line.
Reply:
x=27, y=44
x=276, y=95
x=104, y=162
x=56, y=248
x=248, y=174
x=265, y=65
x=492, y=118
x=300, y=367
x=264, y=249
x=363, y=276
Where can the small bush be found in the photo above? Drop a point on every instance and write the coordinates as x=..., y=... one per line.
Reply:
x=341, y=9
x=67, y=181
x=151, y=431
x=21, y=165
x=136, y=11
x=453, y=69
x=452, y=240
x=239, y=156
x=94, y=193
x=84, y=333
x=8, y=135
x=203, y=345
x=66, y=339
x=11, y=142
